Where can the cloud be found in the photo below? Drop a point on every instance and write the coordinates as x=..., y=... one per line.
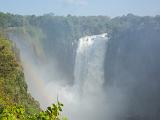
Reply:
x=76, y=2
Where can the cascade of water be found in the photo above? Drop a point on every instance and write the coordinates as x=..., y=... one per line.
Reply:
x=89, y=72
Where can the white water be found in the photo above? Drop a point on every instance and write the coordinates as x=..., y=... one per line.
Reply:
x=87, y=98
x=89, y=71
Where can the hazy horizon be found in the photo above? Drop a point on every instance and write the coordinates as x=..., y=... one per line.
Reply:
x=110, y=8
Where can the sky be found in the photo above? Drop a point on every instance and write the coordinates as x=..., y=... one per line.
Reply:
x=110, y=8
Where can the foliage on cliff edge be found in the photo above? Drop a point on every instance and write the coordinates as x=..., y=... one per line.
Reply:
x=13, y=88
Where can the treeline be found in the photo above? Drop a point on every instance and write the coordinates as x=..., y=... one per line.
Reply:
x=10, y=20
x=60, y=34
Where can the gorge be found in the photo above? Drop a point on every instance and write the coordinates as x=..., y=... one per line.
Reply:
x=100, y=68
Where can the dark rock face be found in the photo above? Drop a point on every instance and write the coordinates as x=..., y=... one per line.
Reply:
x=133, y=64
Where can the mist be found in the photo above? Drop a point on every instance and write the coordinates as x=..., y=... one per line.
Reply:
x=84, y=99
x=112, y=76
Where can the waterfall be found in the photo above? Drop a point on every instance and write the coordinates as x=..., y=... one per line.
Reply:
x=86, y=99
x=89, y=72
x=82, y=100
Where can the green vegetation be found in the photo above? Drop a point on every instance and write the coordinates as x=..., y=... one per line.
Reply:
x=10, y=20
x=13, y=88
x=15, y=102
x=18, y=113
